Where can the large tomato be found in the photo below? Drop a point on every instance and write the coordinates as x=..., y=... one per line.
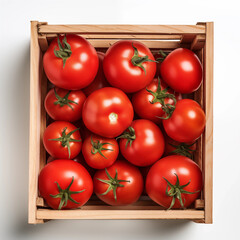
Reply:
x=70, y=62
x=187, y=121
x=64, y=105
x=129, y=65
x=155, y=102
x=100, y=152
x=120, y=184
x=65, y=184
x=174, y=182
x=182, y=70
x=62, y=140
x=143, y=143
x=100, y=80
x=107, y=112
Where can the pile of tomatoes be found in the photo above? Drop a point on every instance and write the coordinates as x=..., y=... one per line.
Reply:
x=119, y=126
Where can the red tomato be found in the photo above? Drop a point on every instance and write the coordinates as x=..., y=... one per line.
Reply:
x=100, y=152
x=64, y=105
x=159, y=57
x=62, y=140
x=107, y=112
x=143, y=143
x=182, y=71
x=65, y=184
x=155, y=102
x=100, y=80
x=70, y=62
x=174, y=182
x=173, y=147
x=129, y=65
x=120, y=184
x=187, y=121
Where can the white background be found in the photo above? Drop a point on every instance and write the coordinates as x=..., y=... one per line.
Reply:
x=15, y=19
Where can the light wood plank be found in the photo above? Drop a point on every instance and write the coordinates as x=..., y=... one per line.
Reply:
x=198, y=42
x=199, y=204
x=42, y=39
x=208, y=170
x=120, y=214
x=123, y=29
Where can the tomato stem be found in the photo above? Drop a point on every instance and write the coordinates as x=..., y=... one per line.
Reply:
x=163, y=54
x=129, y=134
x=65, y=195
x=183, y=149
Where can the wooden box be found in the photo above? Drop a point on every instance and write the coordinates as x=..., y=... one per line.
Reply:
x=198, y=38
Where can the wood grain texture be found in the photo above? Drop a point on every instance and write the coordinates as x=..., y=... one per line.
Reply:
x=120, y=214
x=123, y=29
x=208, y=158
x=34, y=123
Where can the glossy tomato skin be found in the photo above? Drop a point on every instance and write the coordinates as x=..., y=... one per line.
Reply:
x=119, y=70
x=96, y=160
x=148, y=146
x=128, y=194
x=65, y=113
x=100, y=80
x=62, y=171
x=80, y=68
x=142, y=102
x=182, y=70
x=187, y=121
x=55, y=148
x=107, y=112
x=167, y=167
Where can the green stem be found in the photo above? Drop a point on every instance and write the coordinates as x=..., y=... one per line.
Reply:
x=97, y=147
x=129, y=134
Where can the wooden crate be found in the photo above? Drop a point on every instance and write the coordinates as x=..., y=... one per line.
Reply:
x=198, y=38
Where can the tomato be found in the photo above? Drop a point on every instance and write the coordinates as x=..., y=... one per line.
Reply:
x=155, y=102
x=107, y=112
x=174, y=182
x=100, y=80
x=70, y=62
x=100, y=152
x=159, y=57
x=143, y=143
x=173, y=147
x=120, y=184
x=65, y=184
x=187, y=121
x=64, y=105
x=129, y=65
x=182, y=70
x=62, y=140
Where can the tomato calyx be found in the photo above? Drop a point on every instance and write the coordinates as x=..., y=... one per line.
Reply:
x=113, y=183
x=183, y=149
x=65, y=139
x=160, y=96
x=129, y=134
x=163, y=54
x=97, y=147
x=138, y=61
x=65, y=195
x=64, y=51
x=62, y=101
x=176, y=191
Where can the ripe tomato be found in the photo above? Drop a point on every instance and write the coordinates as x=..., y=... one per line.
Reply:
x=155, y=102
x=129, y=65
x=70, y=62
x=100, y=80
x=143, y=143
x=64, y=105
x=174, y=182
x=107, y=112
x=187, y=121
x=120, y=184
x=182, y=70
x=65, y=184
x=62, y=140
x=100, y=152
x=173, y=147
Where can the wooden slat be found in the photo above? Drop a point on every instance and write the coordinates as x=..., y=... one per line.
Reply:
x=34, y=123
x=198, y=42
x=43, y=42
x=123, y=214
x=199, y=204
x=40, y=202
x=208, y=158
x=123, y=29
